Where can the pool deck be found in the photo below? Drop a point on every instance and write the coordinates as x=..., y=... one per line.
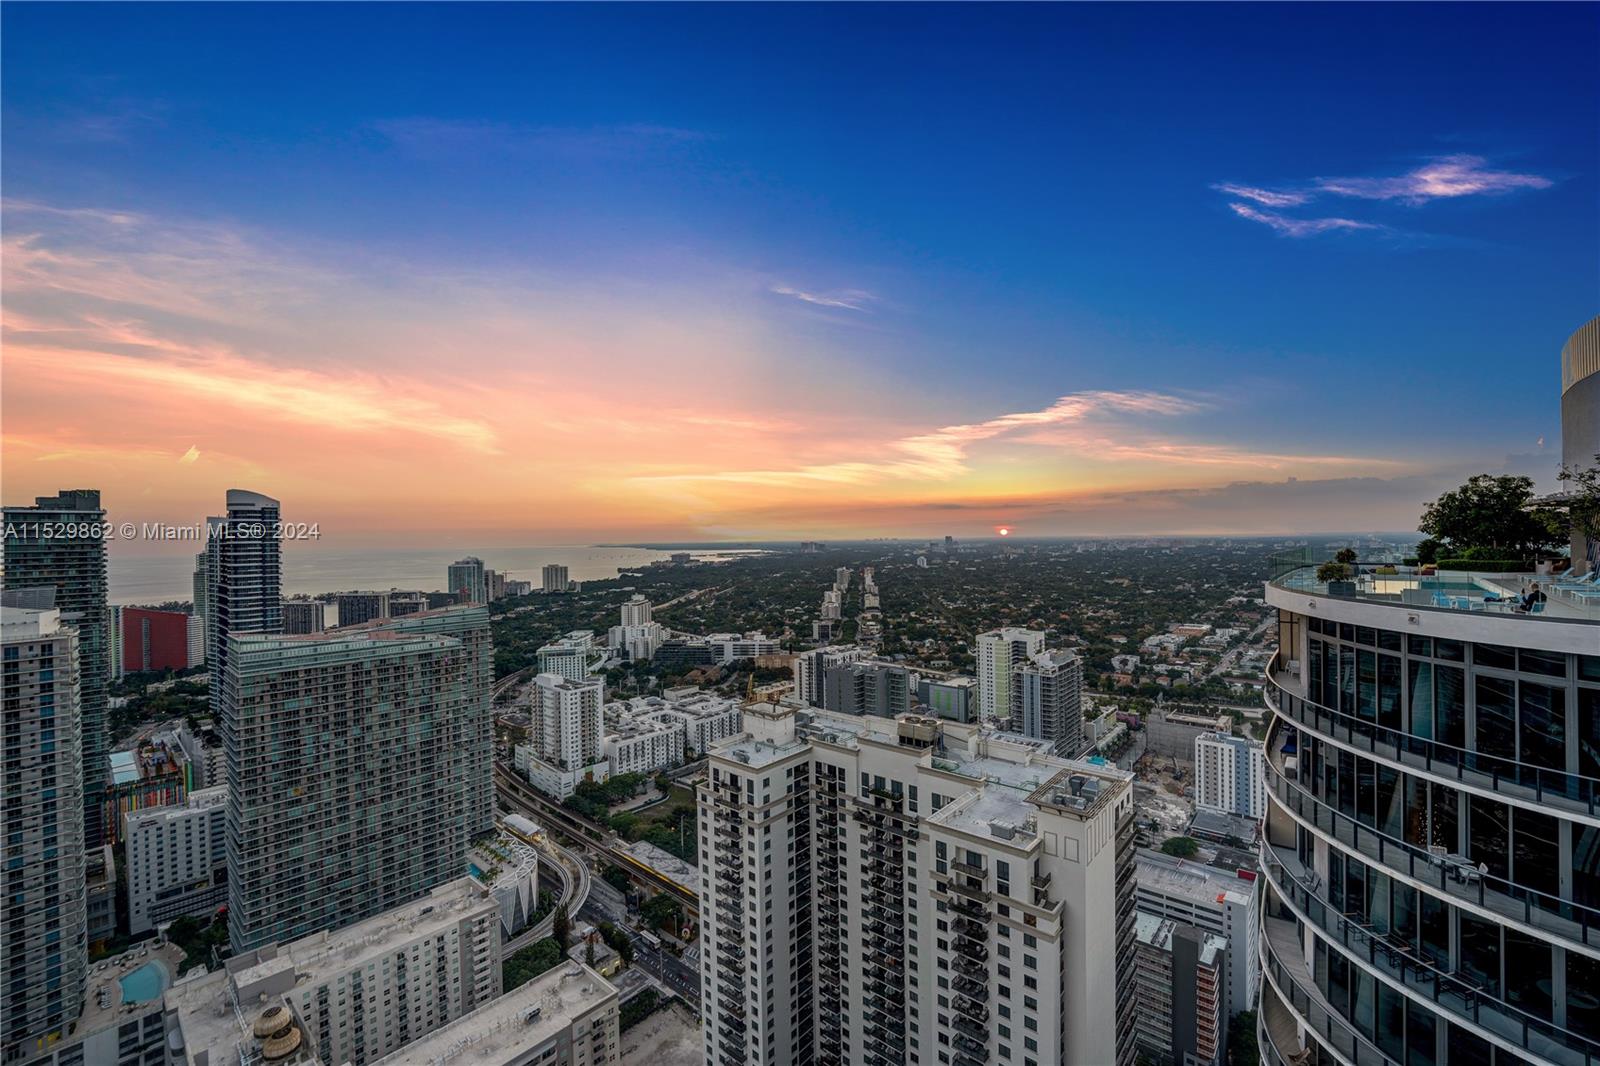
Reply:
x=102, y=1003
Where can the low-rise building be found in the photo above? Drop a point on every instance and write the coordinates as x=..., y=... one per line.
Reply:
x=731, y=647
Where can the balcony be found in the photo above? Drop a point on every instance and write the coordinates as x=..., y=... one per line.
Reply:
x=977, y=990
x=971, y=1029
x=976, y=894
x=1456, y=592
x=1413, y=971
x=972, y=1009
x=1540, y=912
x=966, y=868
x=976, y=971
x=976, y=1048
x=1536, y=786
x=969, y=908
x=970, y=948
x=1284, y=970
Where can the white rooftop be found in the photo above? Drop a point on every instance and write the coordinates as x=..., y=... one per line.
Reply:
x=325, y=954
x=518, y=1021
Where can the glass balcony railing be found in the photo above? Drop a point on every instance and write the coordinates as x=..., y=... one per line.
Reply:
x=1508, y=777
x=1284, y=965
x=1541, y=912
x=1453, y=995
x=1492, y=594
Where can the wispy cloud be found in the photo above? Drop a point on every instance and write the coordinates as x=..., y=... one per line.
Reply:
x=942, y=453
x=1300, y=227
x=847, y=299
x=1269, y=197
x=190, y=456
x=344, y=402
x=1439, y=179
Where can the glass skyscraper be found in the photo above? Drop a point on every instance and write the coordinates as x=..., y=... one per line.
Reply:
x=60, y=543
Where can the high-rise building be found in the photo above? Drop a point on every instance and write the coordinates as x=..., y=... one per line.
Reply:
x=177, y=859
x=59, y=543
x=1178, y=982
x=152, y=640
x=567, y=733
x=1001, y=652
x=244, y=584
x=353, y=995
x=1230, y=775
x=198, y=630
x=404, y=603
x=1431, y=849
x=1226, y=903
x=567, y=657
x=495, y=584
x=1050, y=690
x=908, y=890
x=869, y=686
x=636, y=611
x=1580, y=422
x=358, y=607
x=465, y=579
x=358, y=769
x=555, y=578
x=303, y=616
x=567, y=1016
x=44, y=949
x=637, y=638
x=810, y=669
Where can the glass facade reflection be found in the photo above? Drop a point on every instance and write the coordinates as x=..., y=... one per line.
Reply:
x=1431, y=854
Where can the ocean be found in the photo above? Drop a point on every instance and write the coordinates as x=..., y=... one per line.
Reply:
x=146, y=579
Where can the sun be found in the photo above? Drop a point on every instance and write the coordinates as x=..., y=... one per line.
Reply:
x=1005, y=532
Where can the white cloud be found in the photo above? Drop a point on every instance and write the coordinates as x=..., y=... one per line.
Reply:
x=1445, y=178
x=1269, y=197
x=1300, y=227
x=848, y=299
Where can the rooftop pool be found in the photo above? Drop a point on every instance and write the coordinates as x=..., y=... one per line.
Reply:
x=144, y=984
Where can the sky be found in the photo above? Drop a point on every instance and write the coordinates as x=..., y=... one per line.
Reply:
x=557, y=274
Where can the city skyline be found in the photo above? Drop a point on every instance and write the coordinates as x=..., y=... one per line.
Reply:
x=869, y=272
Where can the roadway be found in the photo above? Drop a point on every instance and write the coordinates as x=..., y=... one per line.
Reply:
x=672, y=973
x=522, y=796
x=669, y=971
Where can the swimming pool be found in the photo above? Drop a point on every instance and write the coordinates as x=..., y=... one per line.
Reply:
x=144, y=984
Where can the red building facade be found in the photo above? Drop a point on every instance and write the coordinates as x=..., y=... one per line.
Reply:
x=154, y=640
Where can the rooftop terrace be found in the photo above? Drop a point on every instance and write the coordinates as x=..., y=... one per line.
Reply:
x=1566, y=599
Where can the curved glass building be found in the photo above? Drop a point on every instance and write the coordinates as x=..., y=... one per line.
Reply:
x=1431, y=850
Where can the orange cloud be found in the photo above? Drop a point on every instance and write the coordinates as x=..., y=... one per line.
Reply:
x=166, y=362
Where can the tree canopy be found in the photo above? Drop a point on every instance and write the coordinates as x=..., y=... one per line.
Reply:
x=1490, y=517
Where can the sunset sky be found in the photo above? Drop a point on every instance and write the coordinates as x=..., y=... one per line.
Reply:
x=558, y=274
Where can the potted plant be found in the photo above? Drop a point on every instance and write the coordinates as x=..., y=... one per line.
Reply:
x=1337, y=575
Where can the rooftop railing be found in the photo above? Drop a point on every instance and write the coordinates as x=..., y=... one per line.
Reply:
x=1480, y=592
